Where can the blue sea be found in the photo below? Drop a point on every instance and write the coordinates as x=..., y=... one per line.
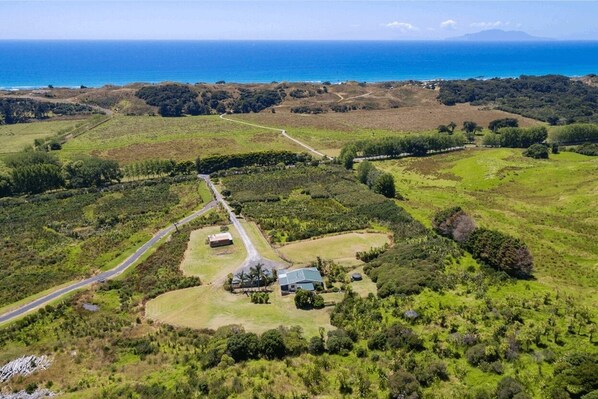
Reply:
x=96, y=63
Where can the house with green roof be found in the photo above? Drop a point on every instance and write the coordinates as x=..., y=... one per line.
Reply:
x=307, y=278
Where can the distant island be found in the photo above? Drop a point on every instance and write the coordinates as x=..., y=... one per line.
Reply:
x=498, y=35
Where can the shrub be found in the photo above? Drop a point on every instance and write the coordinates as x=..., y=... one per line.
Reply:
x=316, y=346
x=399, y=336
x=587, y=149
x=403, y=385
x=308, y=300
x=339, y=342
x=260, y=297
x=510, y=388
x=378, y=341
x=537, y=151
x=477, y=354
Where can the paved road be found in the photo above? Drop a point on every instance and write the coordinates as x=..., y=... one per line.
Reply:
x=104, y=275
x=282, y=131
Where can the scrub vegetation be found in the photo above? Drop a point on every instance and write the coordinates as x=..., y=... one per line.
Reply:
x=477, y=267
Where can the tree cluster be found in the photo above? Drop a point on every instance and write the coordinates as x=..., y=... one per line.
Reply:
x=413, y=144
x=516, y=137
x=158, y=167
x=257, y=100
x=381, y=183
x=575, y=134
x=496, y=249
x=20, y=110
x=548, y=98
x=172, y=100
x=502, y=123
x=34, y=172
x=308, y=109
x=216, y=163
x=588, y=149
x=500, y=251
x=454, y=223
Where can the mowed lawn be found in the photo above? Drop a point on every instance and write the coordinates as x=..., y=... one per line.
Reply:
x=550, y=204
x=14, y=138
x=212, y=263
x=213, y=307
x=133, y=138
x=340, y=248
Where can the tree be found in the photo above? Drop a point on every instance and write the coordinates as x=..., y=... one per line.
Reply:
x=363, y=169
x=347, y=158
x=242, y=276
x=385, y=185
x=5, y=186
x=451, y=126
x=257, y=272
x=471, y=128
x=303, y=299
x=443, y=129
x=243, y=346
x=272, y=344
x=553, y=120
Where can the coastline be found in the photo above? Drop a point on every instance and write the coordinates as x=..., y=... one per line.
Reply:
x=27, y=65
x=332, y=83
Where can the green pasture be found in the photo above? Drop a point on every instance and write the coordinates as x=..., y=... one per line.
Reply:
x=133, y=138
x=550, y=204
x=14, y=138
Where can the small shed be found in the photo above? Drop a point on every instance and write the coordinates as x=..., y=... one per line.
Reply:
x=219, y=240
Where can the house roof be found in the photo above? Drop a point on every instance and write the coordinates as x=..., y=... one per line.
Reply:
x=305, y=275
x=306, y=286
x=220, y=237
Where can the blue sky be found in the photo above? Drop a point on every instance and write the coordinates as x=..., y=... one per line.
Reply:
x=292, y=20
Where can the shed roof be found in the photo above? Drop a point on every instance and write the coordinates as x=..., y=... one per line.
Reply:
x=220, y=237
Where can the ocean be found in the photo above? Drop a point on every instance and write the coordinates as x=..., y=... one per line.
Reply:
x=97, y=63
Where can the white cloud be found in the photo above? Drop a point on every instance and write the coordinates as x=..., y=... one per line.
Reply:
x=489, y=25
x=401, y=26
x=449, y=24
